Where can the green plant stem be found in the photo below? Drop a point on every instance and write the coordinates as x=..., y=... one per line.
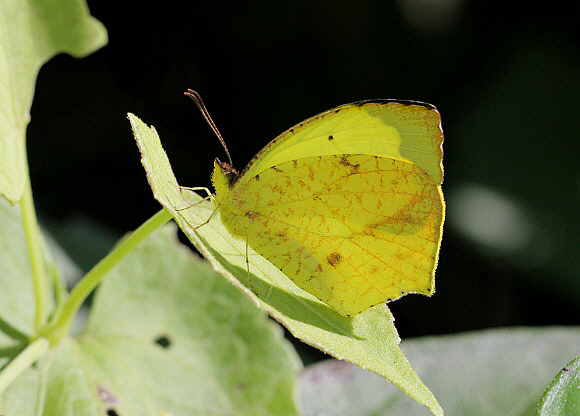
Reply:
x=22, y=361
x=60, y=324
x=35, y=256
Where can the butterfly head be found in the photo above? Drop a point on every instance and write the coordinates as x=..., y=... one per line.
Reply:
x=224, y=176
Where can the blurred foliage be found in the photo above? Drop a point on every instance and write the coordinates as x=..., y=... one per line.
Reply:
x=489, y=372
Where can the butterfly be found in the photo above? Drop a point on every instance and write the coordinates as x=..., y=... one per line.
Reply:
x=347, y=204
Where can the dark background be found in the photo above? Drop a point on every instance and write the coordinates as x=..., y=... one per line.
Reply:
x=506, y=81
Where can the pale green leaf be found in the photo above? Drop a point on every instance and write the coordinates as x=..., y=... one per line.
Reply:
x=165, y=334
x=369, y=340
x=31, y=32
x=484, y=373
x=16, y=293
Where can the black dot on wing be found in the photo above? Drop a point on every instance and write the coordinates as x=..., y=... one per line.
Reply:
x=334, y=258
x=331, y=137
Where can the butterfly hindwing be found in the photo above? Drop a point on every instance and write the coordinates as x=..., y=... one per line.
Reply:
x=353, y=230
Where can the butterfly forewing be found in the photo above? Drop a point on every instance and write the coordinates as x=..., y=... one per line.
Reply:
x=408, y=131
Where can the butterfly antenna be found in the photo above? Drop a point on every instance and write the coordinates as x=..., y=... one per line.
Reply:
x=197, y=98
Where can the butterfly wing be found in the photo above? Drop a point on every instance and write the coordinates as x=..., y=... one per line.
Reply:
x=353, y=230
x=402, y=130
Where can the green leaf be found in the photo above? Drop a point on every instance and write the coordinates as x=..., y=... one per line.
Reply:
x=165, y=334
x=563, y=395
x=16, y=292
x=369, y=340
x=31, y=32
x=491, y=372
x=17, y=303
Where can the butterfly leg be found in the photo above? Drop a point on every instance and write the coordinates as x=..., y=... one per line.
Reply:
x=248, y=269
x=206, y=221
x=197, y=188
x=209, y=196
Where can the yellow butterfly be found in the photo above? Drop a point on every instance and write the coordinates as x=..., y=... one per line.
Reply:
x=347, y=204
